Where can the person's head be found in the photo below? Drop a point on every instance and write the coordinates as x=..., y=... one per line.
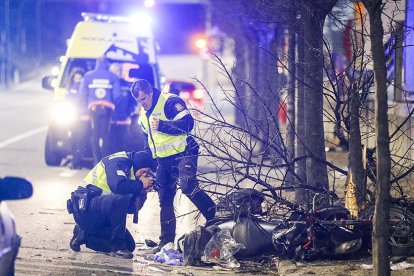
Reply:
x=116, y=69
x=142, y=162
x=77, y=74
x=102, y=62
x=142, y=92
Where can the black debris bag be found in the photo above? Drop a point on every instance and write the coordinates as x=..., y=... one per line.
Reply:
x=241, y=203
x=192, y=244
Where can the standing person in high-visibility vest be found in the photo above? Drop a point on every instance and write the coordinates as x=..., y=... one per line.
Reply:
x=167, y=123
x=116, y=186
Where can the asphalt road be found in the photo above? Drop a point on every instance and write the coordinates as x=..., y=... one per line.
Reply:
x=42, y=220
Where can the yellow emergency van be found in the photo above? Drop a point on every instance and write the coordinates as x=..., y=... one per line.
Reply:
x=127, y=41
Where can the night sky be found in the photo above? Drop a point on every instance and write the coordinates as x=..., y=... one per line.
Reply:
x=39, y=28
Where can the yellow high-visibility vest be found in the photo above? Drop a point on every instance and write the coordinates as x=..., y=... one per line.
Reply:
x=97, y=175
x=162, y=144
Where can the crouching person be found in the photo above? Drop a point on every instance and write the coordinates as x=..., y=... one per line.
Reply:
x=116, y=186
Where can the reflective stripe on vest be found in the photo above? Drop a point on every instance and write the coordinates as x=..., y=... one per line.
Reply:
x=97, y=175
x=162, y=144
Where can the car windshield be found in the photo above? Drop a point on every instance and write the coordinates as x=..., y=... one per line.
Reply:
x=126, y=81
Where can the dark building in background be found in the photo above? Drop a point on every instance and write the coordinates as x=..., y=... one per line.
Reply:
x=177, y=25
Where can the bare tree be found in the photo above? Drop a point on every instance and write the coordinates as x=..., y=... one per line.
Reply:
x=347, y=95
x=380, y=234
x=313, y=19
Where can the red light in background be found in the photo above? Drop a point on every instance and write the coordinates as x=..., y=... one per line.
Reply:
x=198, y=94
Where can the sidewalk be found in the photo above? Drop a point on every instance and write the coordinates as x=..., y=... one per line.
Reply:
x=34, y=78
x=358, y=267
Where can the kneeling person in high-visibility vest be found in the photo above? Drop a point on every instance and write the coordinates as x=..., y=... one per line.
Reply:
x=116, y=186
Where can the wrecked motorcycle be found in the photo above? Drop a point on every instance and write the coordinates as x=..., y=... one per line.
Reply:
x=306, y=235
x=401, y=226
x=241, y=212
x=320, y=231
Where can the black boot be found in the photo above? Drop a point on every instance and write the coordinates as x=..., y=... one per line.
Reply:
x=123, y=254
x=78, y=239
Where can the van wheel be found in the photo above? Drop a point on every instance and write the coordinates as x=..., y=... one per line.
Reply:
x=51, y=157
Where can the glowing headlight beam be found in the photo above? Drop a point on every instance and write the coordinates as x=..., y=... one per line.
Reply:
x=141, y=21
x=63, y=113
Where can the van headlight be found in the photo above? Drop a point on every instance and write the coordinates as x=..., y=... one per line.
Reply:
x=64, y=113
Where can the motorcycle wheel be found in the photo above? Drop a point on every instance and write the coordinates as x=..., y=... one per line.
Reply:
x=401, y=235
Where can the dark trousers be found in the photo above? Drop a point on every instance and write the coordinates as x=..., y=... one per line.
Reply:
x=119, y=138
x=80, y=138
x=104, y=223
x=101, y=122
x=182, y=170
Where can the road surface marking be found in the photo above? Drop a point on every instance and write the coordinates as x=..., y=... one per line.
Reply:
x=22, y=136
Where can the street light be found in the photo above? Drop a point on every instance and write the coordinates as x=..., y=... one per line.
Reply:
x=149, y=3
x=201, y=43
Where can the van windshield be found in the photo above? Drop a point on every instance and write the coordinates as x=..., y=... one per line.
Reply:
x=120, y=68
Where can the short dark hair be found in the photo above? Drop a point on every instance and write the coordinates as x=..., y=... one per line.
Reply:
x=140, y=85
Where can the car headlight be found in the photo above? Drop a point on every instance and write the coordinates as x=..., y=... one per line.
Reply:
x=64, y=113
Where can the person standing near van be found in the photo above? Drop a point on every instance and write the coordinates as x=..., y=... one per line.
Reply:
x=80, y=132
x=100, y=89
x=125, y=106
x=167, y=122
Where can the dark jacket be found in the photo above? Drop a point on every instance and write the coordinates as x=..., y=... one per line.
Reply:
x=124, y=108
x=118, y=172
x=100, y=87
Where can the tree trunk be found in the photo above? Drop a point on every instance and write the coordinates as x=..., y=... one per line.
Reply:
x=241, y=72
x=380, y=235
x=355, y=149
x=316, y=172
x=290, y=123
x=300, y=195
x=272, y=92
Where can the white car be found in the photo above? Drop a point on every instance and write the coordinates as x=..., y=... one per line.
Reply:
x=10, y=188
